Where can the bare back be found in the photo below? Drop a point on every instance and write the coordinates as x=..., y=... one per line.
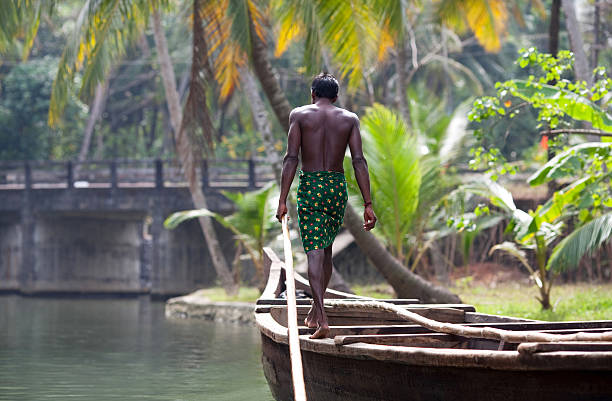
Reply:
x=325, y=131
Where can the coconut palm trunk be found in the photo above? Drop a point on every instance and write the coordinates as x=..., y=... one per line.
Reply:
x=187, y=158
x=267, y=77
x=400, y=65
x=97, y=107
x=261, y=120
x=581, y=62
x=405, y=283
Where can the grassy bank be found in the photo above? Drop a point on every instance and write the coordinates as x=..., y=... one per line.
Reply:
x=570, y=301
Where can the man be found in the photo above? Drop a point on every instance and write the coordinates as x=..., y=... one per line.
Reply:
x=322, y=131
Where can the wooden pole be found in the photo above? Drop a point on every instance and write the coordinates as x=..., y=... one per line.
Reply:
x=297, y=373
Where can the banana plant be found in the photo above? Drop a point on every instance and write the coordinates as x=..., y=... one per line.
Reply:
x=253, y=223
x=587, y=198
x=528, y=231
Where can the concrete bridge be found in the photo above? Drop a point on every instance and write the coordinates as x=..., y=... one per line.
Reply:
x=96, y=227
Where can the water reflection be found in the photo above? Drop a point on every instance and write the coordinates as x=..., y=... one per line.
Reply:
x=120, y=350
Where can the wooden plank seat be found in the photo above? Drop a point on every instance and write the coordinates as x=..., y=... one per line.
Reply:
x=308, y=301
x=547, y=327
x=576, y=346
x=441, y=340
x=355, y=316
x=305, y=307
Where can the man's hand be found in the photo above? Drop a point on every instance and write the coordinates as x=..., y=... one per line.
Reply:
x=369, y=218
x=281, y=211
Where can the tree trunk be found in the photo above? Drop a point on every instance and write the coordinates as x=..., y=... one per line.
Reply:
x=187, y=158
x=405, y=283
x=581, y=62
x=597, y=33
x=97, y=107
x=400, y=65
x=268, y=79
x=553, y=28
x=261, y=120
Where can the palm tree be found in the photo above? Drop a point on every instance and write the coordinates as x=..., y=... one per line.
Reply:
x=103, y=31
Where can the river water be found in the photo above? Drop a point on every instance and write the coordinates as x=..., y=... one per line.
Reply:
x=107, y=349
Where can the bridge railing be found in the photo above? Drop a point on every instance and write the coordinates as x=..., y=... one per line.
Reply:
x=129, y=173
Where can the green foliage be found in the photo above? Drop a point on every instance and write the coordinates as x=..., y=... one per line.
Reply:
x=395, y=174
x=557, y=101
x=24, y=103
x=570, y=161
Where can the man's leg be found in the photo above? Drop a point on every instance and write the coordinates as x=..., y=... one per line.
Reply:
x=311, y=320
x=316, y=277
x=327, y=267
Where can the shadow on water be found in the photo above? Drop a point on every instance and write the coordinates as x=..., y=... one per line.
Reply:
x=122, y=349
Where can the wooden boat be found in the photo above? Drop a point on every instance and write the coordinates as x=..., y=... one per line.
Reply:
x=374, y=355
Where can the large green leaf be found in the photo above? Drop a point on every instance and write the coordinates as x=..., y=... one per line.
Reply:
x=177, y=218
x=567, y=162
x=582, y=241
x=575, y=106
x=254, y=215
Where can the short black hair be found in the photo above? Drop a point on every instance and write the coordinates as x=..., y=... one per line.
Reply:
x=325, y=85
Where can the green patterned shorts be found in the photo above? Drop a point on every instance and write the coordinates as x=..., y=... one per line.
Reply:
x=321, y=199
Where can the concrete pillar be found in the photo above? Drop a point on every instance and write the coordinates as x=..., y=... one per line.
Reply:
x=159, y=244
x=28, y=255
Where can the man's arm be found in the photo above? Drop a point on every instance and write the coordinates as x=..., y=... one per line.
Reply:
x=360, y=166
x=290, y=162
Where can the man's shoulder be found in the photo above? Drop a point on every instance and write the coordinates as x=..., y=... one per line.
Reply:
x=349, y=114
x=299, y=111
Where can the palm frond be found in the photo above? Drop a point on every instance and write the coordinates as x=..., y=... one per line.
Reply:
x=228, y=34
x=351, y=33
x=20, y=20
x=511, y=249
x=299, y=19
x=582, y=241
x=395, y=173
x=102, y=32
x=486, y=18
x=347, y=28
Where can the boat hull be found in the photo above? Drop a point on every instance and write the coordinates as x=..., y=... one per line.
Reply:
x=336, y=378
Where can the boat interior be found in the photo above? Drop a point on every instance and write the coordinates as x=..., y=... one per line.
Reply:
x=351, y=325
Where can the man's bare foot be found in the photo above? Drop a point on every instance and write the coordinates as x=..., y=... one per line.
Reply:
x=322, y=332
x=311, y=319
